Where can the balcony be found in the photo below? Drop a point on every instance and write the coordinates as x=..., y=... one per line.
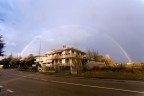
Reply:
x=64, y=56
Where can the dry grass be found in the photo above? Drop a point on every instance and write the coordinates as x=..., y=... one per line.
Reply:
x=131, y=72
x=112, y=75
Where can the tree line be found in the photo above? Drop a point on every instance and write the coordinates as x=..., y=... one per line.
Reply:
x=18, y=62
x=15, y=62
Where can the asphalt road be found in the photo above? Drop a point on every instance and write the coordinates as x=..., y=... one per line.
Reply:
x=18, y=83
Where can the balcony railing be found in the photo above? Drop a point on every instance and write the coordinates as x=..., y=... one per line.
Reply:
x=59, y=57
x=65, y=56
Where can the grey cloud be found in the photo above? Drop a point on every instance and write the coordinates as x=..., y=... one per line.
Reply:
x=122, y=20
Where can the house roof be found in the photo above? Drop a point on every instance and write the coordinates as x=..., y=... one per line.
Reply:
x=60, y=50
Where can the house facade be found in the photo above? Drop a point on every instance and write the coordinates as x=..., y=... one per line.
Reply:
x=67, y=57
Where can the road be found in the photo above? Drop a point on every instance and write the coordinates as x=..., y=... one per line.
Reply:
x=18, y=83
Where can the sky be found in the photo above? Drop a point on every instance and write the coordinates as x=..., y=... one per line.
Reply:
x=114, y=27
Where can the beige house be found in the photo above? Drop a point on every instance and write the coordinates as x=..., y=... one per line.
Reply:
x=56, y=58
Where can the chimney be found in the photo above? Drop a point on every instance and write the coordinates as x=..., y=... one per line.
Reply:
x=64, y=46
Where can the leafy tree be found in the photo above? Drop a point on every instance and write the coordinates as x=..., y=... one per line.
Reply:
x=14, y=62
x=1, y=46
x=10, y=62
x=6, y=61
x=28, y=61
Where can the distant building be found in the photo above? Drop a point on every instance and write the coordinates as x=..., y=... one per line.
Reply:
x=60, y=58
x=129, y=63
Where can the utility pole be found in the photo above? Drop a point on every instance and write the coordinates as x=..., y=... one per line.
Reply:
x=39, y=52
x=40, y=48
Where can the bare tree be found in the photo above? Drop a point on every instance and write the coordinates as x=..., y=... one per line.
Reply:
x=94, y=56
